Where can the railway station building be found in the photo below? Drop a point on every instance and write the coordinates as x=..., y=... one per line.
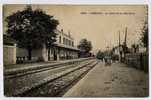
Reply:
x=63, y=49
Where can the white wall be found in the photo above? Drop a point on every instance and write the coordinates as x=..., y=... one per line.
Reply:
x=9, y=54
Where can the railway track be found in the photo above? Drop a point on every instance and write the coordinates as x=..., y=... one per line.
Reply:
x=60, y=85
x=20, y=85
x=19, y=74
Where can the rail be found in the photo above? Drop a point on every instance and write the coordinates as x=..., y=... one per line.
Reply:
x=37, y=67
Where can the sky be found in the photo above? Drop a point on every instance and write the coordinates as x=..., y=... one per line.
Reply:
x=99, y=24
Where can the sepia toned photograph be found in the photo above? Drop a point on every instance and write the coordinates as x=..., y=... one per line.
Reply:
x=75, y=50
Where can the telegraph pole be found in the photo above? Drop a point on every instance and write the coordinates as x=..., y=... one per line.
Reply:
x=119, y=48
x=125, y=42
x=119, y=39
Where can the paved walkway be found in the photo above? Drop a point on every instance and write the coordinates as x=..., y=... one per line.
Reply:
x=117, y=80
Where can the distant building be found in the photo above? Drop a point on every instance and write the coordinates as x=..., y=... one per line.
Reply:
x=142, y=49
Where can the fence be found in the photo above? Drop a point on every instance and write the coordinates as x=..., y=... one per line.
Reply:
x=138, y=60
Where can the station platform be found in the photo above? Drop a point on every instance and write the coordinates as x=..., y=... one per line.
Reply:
x=116, y=80
x=36, y=65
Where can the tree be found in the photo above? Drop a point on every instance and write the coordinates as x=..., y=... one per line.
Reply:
x=85, y=46
x=135, y=47
x=144, y=36
x=100, y=55
x=32, y=29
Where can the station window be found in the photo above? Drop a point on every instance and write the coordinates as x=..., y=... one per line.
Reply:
x=66, y=42
x=63, y=40
x=60, y=39
x=69, y=43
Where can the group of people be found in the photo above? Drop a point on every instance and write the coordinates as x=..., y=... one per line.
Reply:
x=107, y=59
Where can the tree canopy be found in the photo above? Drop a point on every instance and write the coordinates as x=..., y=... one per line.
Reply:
x=144, y=35
x=85, y=45
x=135, y=47
x=32, y=28
x=100, y=55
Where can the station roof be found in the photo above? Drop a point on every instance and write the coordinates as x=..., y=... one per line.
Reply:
x=67, y=47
